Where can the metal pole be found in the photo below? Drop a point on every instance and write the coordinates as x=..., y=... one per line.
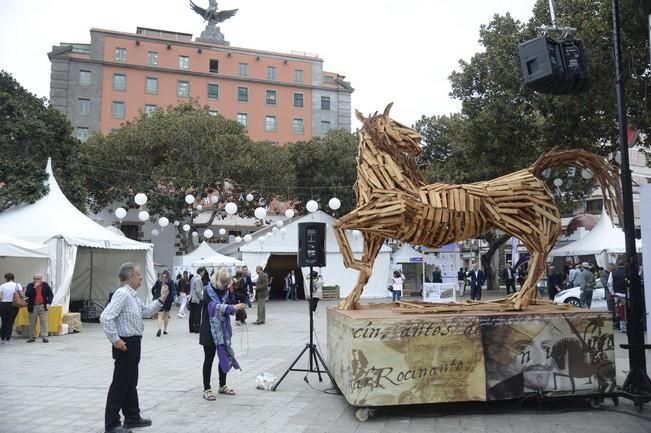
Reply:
x=552, y=13
x=637, y=380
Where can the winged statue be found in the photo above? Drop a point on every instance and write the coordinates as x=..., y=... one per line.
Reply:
x=212, y=15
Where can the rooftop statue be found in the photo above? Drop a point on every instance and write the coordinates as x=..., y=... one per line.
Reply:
x=212, y=15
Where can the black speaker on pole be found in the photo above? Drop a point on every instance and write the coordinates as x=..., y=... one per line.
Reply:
x=554, y=67
x=311, y=244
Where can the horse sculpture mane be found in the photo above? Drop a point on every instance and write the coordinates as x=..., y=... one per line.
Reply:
x=393, y=201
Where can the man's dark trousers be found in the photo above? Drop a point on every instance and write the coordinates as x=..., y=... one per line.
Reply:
x=123, y=393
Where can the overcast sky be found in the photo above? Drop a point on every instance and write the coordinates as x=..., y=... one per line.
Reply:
x=400, y=51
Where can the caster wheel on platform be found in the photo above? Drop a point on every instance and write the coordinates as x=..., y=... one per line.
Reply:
x=363, y=414
x=596, y=403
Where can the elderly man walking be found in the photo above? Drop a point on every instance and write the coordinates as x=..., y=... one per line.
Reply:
x=39, y=298
x=261, y=292
x=123, y=325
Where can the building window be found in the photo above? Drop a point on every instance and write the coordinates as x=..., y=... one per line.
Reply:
x=298, y=100
x=151, y=85
x=298, y=75
x=82, y=134
x=271, y=97
x=243, y=70
x=297, y=126
x=594, y=206
x=150, y=108
x=83, y=105
x=213, y=91
x=270, y=123
x=120, y=54
x=117, y=110
x=184, y=62
x=183, y=88
x=84, y=78
x=119, y=82
x=271, y=72
x=243, y=94
x=213, y=66
x=152, y=58
x=325, y=103
x=213, y=112
x=325, y=125
x=243, y=119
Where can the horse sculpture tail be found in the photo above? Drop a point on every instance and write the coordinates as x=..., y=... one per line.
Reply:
x=606, y=174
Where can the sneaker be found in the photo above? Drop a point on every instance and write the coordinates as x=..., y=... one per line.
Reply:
x=180, y=316
x=165, y=332
x=31, y=340
x=158, y=333
x=45, y=340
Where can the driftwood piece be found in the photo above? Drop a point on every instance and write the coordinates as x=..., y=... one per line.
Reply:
x=393, y=201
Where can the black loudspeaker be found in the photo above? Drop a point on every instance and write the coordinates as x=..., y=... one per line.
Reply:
x=557, y=68
x=311, y=244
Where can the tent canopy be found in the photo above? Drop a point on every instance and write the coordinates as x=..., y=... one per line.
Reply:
x=85, y=256
x=407, y=254
x=13, y=247
x=201, y=252
x=604, y=237
x=22, y=258
x=217, y=259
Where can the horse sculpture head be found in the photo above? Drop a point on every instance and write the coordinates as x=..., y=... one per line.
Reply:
x=389, y=135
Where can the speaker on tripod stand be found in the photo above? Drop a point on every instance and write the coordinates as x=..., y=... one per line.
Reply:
x=311, y=253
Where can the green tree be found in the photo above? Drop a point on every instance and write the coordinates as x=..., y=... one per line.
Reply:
x=30, y=132
x=325, y=168
x=184, y=150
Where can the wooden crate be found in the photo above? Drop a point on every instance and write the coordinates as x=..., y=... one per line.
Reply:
x=330, y=292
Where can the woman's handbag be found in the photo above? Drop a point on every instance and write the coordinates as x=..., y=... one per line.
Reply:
x=18, y=301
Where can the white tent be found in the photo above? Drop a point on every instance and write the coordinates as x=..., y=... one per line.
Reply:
x=407, y=254
x=22, y=258
x=334, y=273
x=603, y=239
x=187, y=261
x=85, y=256
x=217, y=260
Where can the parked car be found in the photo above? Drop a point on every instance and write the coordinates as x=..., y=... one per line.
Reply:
x=572, y=296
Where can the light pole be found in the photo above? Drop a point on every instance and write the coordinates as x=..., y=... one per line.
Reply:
x=637, y=380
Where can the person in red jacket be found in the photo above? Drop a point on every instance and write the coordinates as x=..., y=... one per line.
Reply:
x=39, y=297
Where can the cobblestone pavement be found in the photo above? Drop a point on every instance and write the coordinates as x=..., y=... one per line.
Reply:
x=61, y=387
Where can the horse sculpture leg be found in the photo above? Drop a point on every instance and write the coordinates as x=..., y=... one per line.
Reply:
x=372, y=245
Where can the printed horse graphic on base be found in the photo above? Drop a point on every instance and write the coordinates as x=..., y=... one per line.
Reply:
x=393, y=201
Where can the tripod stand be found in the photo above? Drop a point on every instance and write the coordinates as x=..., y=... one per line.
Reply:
x=314, y=355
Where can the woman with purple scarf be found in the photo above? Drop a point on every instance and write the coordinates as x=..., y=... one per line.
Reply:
x=216, y=332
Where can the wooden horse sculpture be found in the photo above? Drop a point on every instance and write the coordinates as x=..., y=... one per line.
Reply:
x=393, y=201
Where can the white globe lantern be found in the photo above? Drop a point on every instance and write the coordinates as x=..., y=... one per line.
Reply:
x=195, y=234
x=261, y=240
x=140, y=198
x=186, y=227
x=238, y=239
x=247, y=238
x=260, y=213
x=199, y=207
x=177, y=223
x=189, y=199
x=558, y=181
x=231, y=208
x=289, y=213
x=207, y=233
x=143, y=215
x=334, y=203
x=249, y=197
x=214, y=199
x=312, y=206
x=222, y=232
x=163, y=222
x=279, y=224
x=155, y=232
x=274, y=230
x=120, y=213
x=283, y=231
x=586, y=173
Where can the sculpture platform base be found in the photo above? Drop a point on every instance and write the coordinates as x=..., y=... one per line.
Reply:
x=379, y=357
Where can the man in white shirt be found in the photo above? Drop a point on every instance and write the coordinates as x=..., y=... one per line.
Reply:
x=123, y=325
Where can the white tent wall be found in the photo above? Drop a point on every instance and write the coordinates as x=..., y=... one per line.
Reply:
x=104, y=277
x=24, y=268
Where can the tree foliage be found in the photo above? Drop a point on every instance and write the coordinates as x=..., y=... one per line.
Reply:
x=30, y=132
x=504, y=127
x=184, y=150
x=325, y=168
